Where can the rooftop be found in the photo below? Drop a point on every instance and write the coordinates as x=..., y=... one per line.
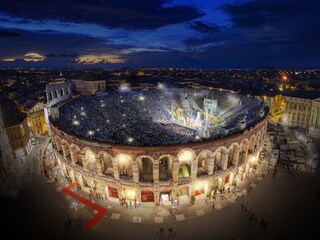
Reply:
x=311, y=95
x=11, y=114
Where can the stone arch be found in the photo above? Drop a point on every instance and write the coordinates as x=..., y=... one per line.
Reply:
x=234, y=151
x=68, y=90
x=65, y=149
x=165, y=166
x=252, y=143
x=125, y=165
x=74, y=154
x=61, y=92
x=89, y=161
x=145, y=168
x=187, y=163
x=258, y=140
x=51, y=95
x=104, y=164
x=58, y=143
x=57, y=93
x=184, y=170
x=205, y=163
x=244, y=148
x=221, y=157
x=186, y=155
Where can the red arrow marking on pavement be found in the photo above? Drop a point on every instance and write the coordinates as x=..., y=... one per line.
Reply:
x=101, y=210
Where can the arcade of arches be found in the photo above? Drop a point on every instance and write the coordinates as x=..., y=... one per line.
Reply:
x=149, y=179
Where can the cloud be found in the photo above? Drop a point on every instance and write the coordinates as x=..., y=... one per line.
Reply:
x=33, y=57
x=204, y=27
x=127, y=14
x=95, y=59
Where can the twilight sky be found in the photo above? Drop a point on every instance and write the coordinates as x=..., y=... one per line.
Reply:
x=160, y=33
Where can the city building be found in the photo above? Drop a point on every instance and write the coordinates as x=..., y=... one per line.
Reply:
x=88, y=87
x=37, y=119
x=16, y=126
x=303, y=110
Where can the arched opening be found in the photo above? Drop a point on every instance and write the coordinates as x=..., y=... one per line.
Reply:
x=128, y=196
x=251, y=144
x=165, y=168
x=61, y=92
x=203, y=160
x=184, y=170
x=68, y=90
x=90, y=163
x=51, y=95
x=145, y=169
x=125, y=166
x=58, y=145
x=232, y=158
x=57, y=93
x=244, y=147
x=106, y=164
x=147, y=196
x=112, y=192
x=183, y=195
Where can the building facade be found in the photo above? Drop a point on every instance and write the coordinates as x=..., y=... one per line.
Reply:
x=155, y=174
x=37, y=120
x=303, y=110
x=17, y=130
x=88, y=87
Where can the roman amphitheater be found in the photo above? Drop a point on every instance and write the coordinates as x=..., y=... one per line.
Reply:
x=158, y=146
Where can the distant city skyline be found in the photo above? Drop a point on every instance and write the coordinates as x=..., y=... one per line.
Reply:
x=203, y=34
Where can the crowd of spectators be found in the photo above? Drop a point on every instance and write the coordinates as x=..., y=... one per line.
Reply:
x=135, y=118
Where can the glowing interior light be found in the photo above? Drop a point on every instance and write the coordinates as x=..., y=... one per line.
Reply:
x=90, y=133
x=76, y=122
x=141, y=98
x=186, y=155
x=130, y=139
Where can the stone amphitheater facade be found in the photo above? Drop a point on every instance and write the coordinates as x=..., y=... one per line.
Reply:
x=113, y=172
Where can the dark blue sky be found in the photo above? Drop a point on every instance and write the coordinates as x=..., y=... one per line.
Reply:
x=160, y=33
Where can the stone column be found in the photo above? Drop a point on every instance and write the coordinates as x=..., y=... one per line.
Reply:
x=156, y=195
x=194, y=169
x=74, y=155
x=138, y=192
x=175, y=171
x=65, y=150
x=115, y=169
x=236, y=153
x=99, y=166
x=210, y=166
x=175, y=191
x=155, y=172
x=135, y=172
x=224, y=160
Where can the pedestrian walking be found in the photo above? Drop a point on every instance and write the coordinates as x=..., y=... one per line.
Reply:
x=161, y=232
x=265, y=225
x=173, y=231
x=158, y=231
x=170, y=231
x=242, y=206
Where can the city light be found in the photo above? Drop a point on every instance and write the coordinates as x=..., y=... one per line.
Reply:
x=90, y=133
x=76, y=122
